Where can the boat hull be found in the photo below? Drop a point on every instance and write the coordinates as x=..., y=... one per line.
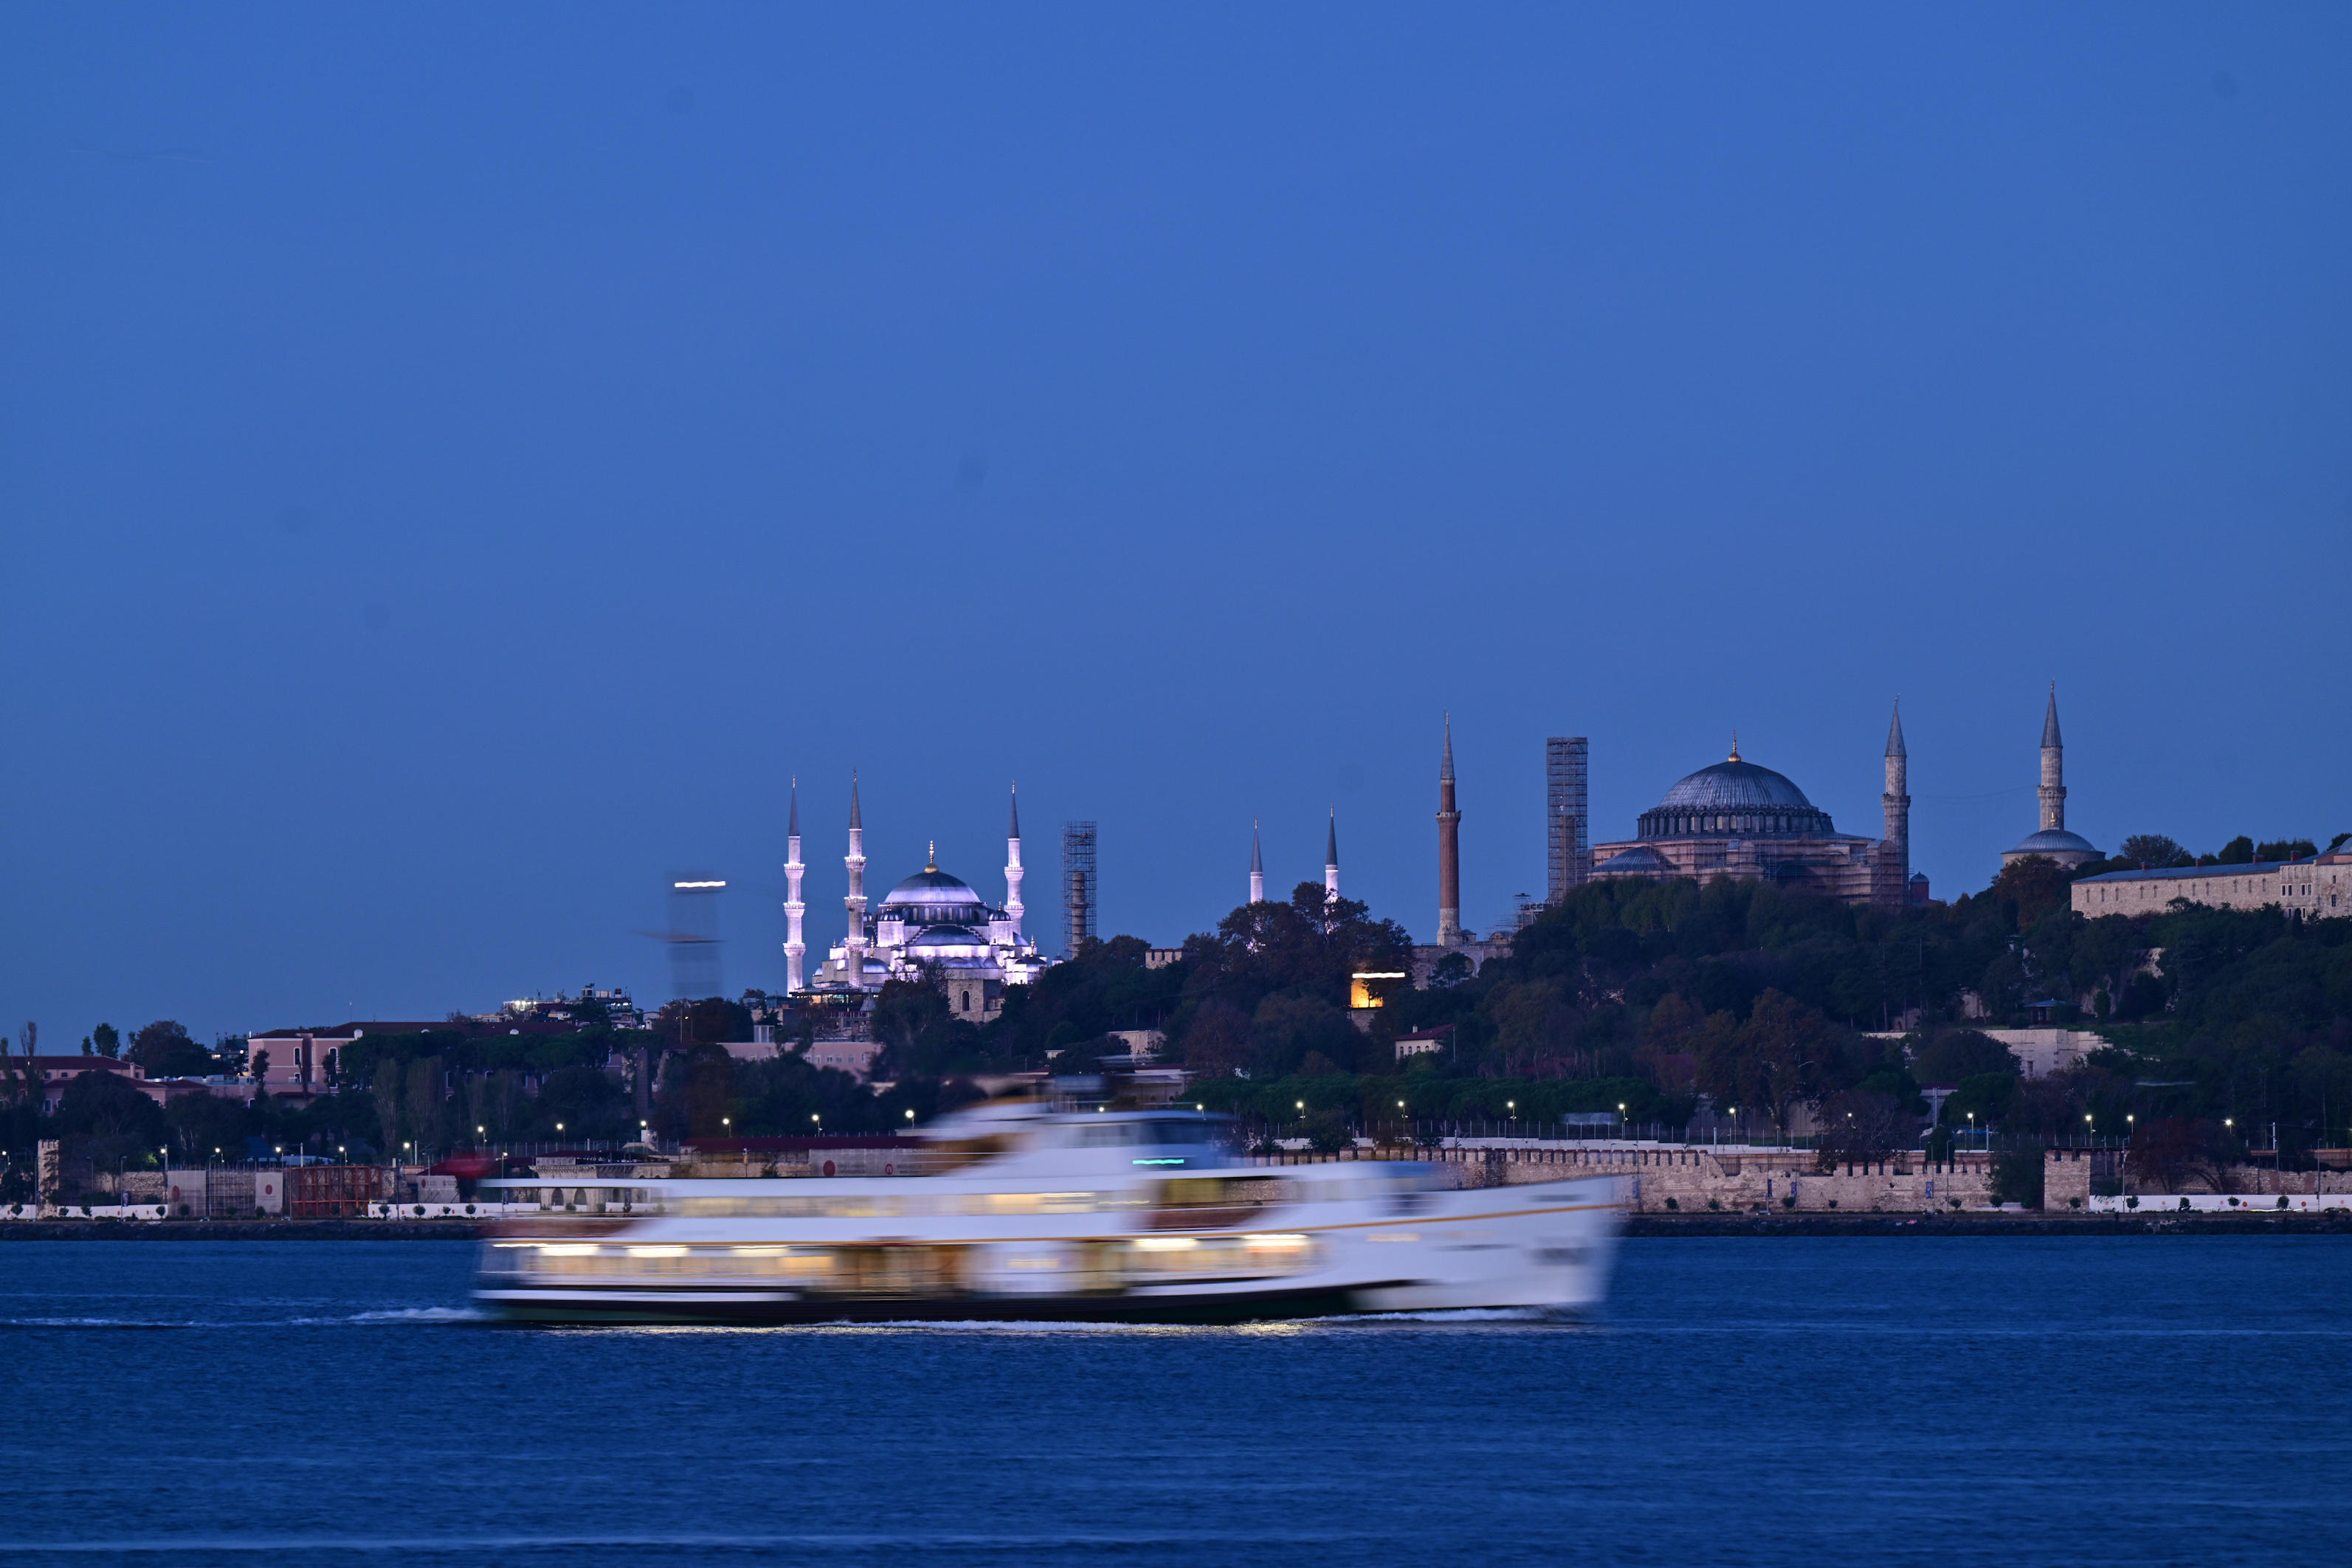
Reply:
x=750, y=1309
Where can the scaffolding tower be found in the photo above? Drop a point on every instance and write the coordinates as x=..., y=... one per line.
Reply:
x=1568, y=857
x=1078, y=887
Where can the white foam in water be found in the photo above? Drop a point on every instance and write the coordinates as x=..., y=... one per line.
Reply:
x=1456, y=1315
x=396, y=1315
x=411, y=1315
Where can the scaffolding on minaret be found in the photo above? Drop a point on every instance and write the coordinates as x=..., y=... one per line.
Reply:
x=1079, y=889
x=1568, y=852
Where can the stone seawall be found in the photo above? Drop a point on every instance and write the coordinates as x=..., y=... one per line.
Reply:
x=1977, y=1225
x=1701, y=1180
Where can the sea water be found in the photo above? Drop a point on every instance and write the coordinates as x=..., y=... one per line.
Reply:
x=2026, y=1400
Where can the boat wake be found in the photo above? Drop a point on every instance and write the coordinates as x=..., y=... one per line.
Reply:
x=394, y=1315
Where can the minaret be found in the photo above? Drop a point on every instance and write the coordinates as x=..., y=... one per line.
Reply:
x=1331, y=860
x=1257, y=867
x=795, y=950
x=1449, y=849
x=2054, y=767
x=1893, y=884
x=1012, y=905
x=854, y=945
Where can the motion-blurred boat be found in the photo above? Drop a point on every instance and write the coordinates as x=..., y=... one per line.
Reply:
x=1024, y=1214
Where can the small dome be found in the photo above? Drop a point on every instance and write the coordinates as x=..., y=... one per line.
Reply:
x=1639, y=861
x=2056, y=843
x=933, y=937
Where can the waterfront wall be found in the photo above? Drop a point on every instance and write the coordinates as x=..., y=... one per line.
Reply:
x=1702, y=1180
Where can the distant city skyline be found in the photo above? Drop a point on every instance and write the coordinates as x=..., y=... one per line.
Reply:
x=459, y=469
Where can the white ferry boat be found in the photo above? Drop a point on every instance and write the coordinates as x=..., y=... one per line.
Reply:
x=1137, y=1217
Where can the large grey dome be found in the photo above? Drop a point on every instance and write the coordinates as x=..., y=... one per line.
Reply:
x=1736, y=786
x=1734, y=798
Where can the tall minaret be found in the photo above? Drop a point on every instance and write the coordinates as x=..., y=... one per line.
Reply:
x=1012, y=905
x=1449, y=849
x=1894, y=887
x=2054, y=767
x=1331, y=859
x=1257, y=868
x=795, y=950
x=854, y=945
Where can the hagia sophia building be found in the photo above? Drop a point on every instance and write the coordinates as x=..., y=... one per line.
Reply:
x=1738, y=818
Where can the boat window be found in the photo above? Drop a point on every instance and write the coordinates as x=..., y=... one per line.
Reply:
x=1158, y=1133
x=987, y=1203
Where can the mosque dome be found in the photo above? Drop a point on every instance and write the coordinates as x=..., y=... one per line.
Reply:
x=932, y=898
x=1734, y=798
x=2069, y=850
x=1639, y=861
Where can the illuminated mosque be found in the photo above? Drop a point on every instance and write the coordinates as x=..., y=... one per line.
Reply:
x=931, y=926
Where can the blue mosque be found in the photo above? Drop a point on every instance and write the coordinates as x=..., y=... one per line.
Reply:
x=931, y=926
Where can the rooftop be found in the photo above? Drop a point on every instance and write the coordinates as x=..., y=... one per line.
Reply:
x=2175, y=873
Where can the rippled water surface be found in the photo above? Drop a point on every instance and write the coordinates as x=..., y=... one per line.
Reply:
x=2027, y=1400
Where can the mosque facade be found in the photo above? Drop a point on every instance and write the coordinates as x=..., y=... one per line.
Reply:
x=1738, y=818
x=932, y=926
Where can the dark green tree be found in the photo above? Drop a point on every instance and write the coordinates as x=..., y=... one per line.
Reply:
x=2153, y=851
x=162, y=1049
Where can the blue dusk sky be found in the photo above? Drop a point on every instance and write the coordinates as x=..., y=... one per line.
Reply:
x=458, y=464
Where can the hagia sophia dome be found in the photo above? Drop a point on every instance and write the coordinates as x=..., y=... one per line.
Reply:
x=1735, y=798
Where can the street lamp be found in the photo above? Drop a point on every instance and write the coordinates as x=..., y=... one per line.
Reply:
x=910, y=1112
